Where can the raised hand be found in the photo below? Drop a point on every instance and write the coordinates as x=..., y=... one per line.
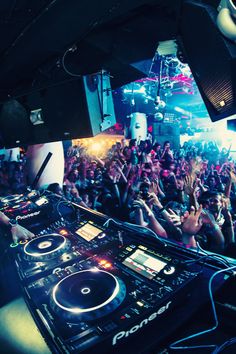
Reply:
x=191, y=222
x=232, y=176
x=207, y=218
x=154, y=188
x=189, y=186
x=154, y=200
x=139, y=203
x=174, y=218
x=20, y=233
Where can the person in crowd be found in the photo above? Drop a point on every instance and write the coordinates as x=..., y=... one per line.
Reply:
x=155, y=186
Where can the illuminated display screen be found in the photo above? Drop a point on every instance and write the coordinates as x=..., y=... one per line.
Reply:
x=144, y=264
x=41, y=201
x=88, y=232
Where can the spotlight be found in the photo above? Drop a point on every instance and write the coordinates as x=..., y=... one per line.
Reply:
x=159, y=104
x=158, y=117
x=36, y=117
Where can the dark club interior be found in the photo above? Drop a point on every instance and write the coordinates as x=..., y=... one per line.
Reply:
x=117, y=176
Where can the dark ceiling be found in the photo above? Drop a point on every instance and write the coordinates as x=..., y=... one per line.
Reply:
x=35, y=37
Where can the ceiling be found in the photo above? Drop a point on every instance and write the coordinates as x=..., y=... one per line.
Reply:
x=46, y=42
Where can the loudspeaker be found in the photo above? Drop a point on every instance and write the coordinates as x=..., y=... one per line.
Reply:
x=15, y=126
x=167, y=131
x=79, y=108
x=211, y=57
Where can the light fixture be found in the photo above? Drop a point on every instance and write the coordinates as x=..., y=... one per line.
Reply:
x=158, y=116
x=159, y=104
x=36, y=117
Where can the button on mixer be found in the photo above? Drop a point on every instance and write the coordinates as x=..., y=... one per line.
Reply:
x=169, y=270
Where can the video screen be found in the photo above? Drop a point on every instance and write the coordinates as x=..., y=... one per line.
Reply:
x=88, y=232
x=41, y=201
x=144, y=264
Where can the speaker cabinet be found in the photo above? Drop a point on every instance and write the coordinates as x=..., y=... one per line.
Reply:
x=79, y=109
x=211, y=57
x=15, y=126
x=75, y=109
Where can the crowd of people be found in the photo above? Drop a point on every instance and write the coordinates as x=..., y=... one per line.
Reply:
x=186, y=195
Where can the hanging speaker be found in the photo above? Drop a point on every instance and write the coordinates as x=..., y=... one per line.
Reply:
x=15, y=126
x=211, y=57
x=78, y=109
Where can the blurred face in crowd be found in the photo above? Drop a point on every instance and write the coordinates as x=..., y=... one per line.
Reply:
x=144, y=188
x=167, y=146
x=90, y=174
x=215, y=203
x=93, y=165
x=73, y=175
x=212, y=182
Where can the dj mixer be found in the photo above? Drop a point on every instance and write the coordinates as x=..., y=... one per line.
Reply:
x=97, y=286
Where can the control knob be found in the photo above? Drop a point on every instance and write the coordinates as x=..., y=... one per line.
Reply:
x=169, y=270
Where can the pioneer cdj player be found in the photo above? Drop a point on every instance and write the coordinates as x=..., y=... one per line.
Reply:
x=32, y=210
x=98, y=289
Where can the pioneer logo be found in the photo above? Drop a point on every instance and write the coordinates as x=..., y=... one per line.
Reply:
x=27, y=216
x=125, y=334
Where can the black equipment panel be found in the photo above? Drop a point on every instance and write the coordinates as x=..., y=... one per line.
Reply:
x=97, y=288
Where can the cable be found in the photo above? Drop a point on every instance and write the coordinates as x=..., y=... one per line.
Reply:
x=212, y=254
x=29, y=25
x=147, y=230
x=192, y=261
x=106, y=223
x=92, y=26
x=173, y=345
x=68, y=203
x=63, y=63
x=224, y=345
x=207, y=255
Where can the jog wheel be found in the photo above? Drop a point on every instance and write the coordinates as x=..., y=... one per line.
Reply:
x=87, y=295
x=46, y=247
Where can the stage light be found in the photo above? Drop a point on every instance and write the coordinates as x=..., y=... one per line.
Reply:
x=140, y=90
x=158, y=116
x=159, y=104
x=36, y=117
